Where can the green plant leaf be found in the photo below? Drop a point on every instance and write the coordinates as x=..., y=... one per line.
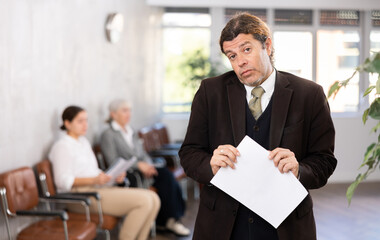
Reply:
x=374, y=109
x=352, y=187
x=372, y=154
x=369, y=90
x=370, y=149
x=334, y=89
x=376, y=62
x=365, y=116
x=371, y=64
x=374, y=129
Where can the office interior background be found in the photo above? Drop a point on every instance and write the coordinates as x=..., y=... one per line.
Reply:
x=56, y=53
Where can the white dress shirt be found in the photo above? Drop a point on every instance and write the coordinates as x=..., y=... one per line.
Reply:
x=268, y=86
x=127, y=134
x=72, y=158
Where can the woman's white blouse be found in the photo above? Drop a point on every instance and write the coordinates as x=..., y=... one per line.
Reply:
x=72, y=158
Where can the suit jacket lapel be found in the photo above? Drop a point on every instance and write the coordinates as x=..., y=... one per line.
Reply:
x=281, y=100
x=236, y=103
x=122, y=141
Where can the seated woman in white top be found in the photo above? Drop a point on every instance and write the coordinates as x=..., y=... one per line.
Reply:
x=75, y=169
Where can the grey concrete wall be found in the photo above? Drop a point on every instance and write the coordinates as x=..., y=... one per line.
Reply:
x=54, y=53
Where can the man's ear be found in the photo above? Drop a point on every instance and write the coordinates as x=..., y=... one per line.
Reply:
x=268, y=46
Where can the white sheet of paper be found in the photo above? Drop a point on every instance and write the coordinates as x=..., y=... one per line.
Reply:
x=259, y=185
x=121, y=165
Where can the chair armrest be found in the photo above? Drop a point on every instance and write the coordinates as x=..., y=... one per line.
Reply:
x=163, y=153
x=67, y=199
x=87, y=194
x=84, y=201
x=171, y=146
x=58, y=213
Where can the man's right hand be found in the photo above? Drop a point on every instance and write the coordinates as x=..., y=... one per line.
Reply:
x=223, y=156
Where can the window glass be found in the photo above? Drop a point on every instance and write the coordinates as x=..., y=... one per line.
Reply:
x=337, y=57
x=230, y=12
x=294, y=52
x=293, y=17
x=186, y=49
x=375, y=47
x=186, y=19
x=339, y=17
x=375, y=17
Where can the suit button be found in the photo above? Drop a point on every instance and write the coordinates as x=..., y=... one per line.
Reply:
x=256, y=128
x=234, y=212
x=250, y=220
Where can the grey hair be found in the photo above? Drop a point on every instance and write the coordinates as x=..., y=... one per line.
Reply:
x=116, y=104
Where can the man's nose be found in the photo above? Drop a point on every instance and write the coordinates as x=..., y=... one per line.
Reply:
x=242, y=61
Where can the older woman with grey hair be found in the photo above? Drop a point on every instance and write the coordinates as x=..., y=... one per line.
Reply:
x=120, y=140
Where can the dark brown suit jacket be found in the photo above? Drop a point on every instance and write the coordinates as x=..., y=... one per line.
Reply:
x=300, y=122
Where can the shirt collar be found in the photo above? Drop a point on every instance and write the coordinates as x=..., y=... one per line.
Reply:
x=115, y=126
x=71, y=139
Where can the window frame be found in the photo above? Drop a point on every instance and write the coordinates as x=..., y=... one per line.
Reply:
x=365, y=27
x=165, y=26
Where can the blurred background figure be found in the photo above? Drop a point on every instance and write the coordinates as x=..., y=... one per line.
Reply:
x=75, y=169
x=120, y=140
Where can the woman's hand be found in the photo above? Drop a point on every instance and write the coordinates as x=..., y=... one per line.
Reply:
x=102, y=179
x=121, y=178
x=147, y=169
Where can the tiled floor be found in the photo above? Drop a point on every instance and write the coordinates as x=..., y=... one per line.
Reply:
x=334, y=218
x=338, y=221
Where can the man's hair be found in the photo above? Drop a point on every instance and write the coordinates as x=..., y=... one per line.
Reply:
x=247, y=24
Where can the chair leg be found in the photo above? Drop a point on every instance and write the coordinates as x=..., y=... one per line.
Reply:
x=4, y=205
x=196, y=190
x=183, y=183
x=153, y=230
x=105, y=232
x=65, y=230
x=108, y=235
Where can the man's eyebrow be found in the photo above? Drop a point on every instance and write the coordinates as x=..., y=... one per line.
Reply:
x=240, y=46
x=244, y=43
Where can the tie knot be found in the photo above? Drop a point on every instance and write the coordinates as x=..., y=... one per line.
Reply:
x=257, y=92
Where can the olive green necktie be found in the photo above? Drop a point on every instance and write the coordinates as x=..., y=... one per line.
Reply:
x=255, y=103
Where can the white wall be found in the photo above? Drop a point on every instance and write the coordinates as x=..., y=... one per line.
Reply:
x=55, y=53
x=351, y=141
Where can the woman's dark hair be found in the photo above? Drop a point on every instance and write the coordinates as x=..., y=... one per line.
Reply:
x=247, y=24
x=69, y=114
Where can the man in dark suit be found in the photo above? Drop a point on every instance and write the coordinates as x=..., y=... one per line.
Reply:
x=285, y=114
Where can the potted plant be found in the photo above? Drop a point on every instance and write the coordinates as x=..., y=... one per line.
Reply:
x=372, y=155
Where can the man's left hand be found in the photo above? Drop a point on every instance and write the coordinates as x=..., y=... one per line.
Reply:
x=284, y=160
